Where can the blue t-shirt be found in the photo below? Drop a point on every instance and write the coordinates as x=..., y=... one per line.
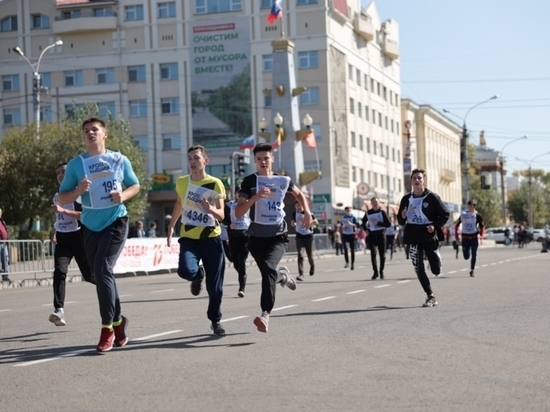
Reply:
x=97, y=219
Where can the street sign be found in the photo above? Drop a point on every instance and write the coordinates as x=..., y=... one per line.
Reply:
x=362, y=188
x=358, y=202
x=407, y=165
x=321, y=198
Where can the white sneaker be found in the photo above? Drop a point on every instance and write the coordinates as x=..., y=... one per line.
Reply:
x=284, y=278
x=262, y=322
x=58, y=317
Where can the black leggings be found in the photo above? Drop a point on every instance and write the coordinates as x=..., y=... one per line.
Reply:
x=416, y=253
x=377, y=241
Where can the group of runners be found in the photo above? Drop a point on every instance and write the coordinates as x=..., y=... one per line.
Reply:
x=92, y=226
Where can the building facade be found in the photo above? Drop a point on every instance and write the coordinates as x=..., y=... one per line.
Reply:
x=195, y=72
x=434, y=147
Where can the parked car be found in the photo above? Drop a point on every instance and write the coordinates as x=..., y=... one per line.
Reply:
x=538, y=234
x=496, y=234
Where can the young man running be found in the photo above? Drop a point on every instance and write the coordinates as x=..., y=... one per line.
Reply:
x=200, y=205
x=349, y=227
x=263, y=194
x=304, y=240
x=375, y=222
x=105, y=180
x=237, y=230
x=425, y=215
x=392, y=231
x=68, y=245
x=472, y=230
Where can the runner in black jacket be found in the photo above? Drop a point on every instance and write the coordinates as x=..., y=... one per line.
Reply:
x=425, y=215
x=375, y=222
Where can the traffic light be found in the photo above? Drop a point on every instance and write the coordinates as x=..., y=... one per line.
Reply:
x=484, y=184
x=240, y=167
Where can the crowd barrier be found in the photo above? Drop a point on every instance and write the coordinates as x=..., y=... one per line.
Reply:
x=34, y=259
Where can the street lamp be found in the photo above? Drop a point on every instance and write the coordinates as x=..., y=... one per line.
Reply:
x=464, y=151
x=502, y=189
x=36, y=81
x=531, y=188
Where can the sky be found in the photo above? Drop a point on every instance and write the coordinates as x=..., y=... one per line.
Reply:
x=455, y=54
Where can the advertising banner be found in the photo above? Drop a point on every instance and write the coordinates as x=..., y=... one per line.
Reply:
x=148, y=255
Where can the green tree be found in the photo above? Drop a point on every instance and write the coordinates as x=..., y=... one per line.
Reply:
x=27, y=165
x=518, y=204
x=488, y=202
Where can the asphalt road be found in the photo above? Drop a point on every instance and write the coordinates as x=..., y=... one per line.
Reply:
x=340, y=342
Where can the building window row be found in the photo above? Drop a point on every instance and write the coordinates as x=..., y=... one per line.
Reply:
x=355, y=75
x=306, y=60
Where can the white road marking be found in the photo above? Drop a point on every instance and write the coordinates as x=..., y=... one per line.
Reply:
x=452, y=271
x=5, y=310
x=355, y=291
x=463, y=270
x=283, y=307
x=163, y=291
x=157, y=335
x=404, y=281
x=65, y=355
x=321, y=299
x=123, y=296
x=235, y=318
x=382, y=286
x=66, y=303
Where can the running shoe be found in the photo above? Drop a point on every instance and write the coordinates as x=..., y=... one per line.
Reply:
x=284, y=278
x=430, y=302
x=312, y=270
x=217, y=328
x=106, y=340
x=300, y=278
x=197, y=283
x=241, y=294
x=120, y=332
x=472, y=273
x=262, y=322
x=58, y=317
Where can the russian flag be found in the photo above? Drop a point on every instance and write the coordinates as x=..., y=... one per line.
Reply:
x=276, y=12
x=247, y=143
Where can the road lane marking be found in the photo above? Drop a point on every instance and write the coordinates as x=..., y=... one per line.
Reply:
x=404, y=281
x=156, y=335
x=5, y=310
x=283, y=307
x=235, y=318
x=65, y=355
x=452, y=271
x=321, y=299
x=123, y=296
x=66, y=303
x=355, y=291
x=382, y=286
x=163, y=291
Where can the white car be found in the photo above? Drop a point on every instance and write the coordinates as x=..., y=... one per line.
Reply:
x=497, y=234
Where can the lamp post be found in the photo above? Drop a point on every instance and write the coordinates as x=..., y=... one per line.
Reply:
x=464, y=151
x=36, y=81
x=502, y=188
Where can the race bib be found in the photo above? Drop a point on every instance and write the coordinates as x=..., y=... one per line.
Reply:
x=106, y=172
x=192, y=212
x=270, y=210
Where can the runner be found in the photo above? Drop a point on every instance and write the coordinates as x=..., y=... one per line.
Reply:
x=425, y=215
x=237, y=230
x=349, y=227
x=304, y=240
x=98, y=176
x=454, y=235
x=263, y=193
x=375, y=221
x=200, y=204
x=68, y=244
x=392, y=232
x=472, y=230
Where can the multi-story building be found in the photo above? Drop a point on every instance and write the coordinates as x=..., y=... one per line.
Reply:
x=196, y=71
x=433, y=145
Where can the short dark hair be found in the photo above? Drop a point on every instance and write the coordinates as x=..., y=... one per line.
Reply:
x=197, y=147
x=262, y=147
x=415, y=171
x=347, y=208
x=472, y=202
x=374, y=198
x=93, y=120
x=61, y=164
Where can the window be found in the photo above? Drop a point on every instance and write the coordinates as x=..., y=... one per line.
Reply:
x=399, y=158
x=142, y=141
x=71, y=108
x=359, y=109
x=267, y=101
x=391, y=124
x=73, y=78
x=170, y=105
x=12, y=117
x=138, y=108
x=168, y=71
x=165, y=10
x=218, y=6
x=393, y=154
x=368, y=144
x=308, y=60
x=387, y=152
x=171, y=141
x=102, y=12
x=369, y=178
x=382, y=181
x=358, y=76
x=46, y=80
x=40, y=21
x=381, y=149
x=397, y=127
x=134, y=13
x=136, y=73
x=46, y=114
x=106, y=109
x=351, y=106
x=361, y=142
x=316, y=127
x=354, y=174
x=350, y=72
x=353, y=142
x=374, y=147
x=373, y=116
x=361, y=175
x=10, y=82
x=302, y=2
x=391, y=97
x=266, y=4
x=396, y=99
x=73, y=14
x=367, y=113
x=8, y=24
x=375, y=179
x=312, y=165
x=105, y=75
x=380, y=119
x=386, y=122
x=267, y=62
x=310, y=96
x=385, y=93
x=371, y=84
x=366, y=81
x=378, y=89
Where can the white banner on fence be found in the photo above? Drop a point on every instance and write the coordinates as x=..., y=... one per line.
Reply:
x=147, y=255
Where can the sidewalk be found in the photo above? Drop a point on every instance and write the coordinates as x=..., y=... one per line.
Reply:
x=22, y=280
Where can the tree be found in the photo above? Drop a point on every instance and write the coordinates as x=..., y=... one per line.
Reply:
x=27, y=165
x=518, y=204
x=488, y=202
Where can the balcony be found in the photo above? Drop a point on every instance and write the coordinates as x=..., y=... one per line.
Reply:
x=390, y=48
x=448, y=175
x=362, y=26
x=84, y=22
